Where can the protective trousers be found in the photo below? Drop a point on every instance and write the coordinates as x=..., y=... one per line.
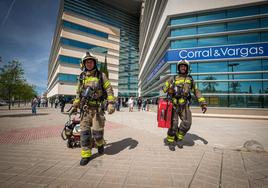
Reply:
x=92, y=127
x=186, y=120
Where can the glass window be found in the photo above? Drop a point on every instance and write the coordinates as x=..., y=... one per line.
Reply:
x=213, y=87
x=211, y=16
x=188, y=43
x=213, y=67
x=213, y=77
x=265, y=87
x=264, y=22
x=242, y=12
x=211, y=28
x=244, y=38
x=264, y=9
x=183, y=31
x=83, y=45
x=183, y=20
x=265, y=76
x=264, y=36
x=237, y=66
x=173, y=68
x=249, y=24
x=67, y=59
x=84, y=29
x=213, y=41
x=67, y=77
x=245, y=76
x=194, y=77
x=265, y=64
x=194, y=67
x=245, y=87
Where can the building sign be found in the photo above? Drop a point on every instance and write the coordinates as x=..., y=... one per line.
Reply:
x=222, y=52
x=213, y=53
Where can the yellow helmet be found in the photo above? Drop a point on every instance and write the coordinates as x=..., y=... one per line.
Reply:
x=183, y=62
x=86, y=57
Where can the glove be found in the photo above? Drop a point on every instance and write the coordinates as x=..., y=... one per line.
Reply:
x=204, y=108
x=110, y=108
x=73, y=110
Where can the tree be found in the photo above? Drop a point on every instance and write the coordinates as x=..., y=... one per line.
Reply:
x=103, y=68
x=210, y=86
x=12, y=83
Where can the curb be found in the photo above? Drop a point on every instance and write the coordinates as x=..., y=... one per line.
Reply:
x=230, y=116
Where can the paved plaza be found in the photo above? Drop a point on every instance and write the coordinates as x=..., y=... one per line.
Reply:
x=218, y=152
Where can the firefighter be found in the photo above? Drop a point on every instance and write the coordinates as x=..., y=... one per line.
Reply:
x=92, y=119
x=179, y=90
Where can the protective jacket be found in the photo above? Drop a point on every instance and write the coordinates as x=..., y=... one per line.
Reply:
x=179, y=90
x=100, y=86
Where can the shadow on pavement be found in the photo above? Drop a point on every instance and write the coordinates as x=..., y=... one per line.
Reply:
x=115, y=147
x=23, y=115
x=189, y=139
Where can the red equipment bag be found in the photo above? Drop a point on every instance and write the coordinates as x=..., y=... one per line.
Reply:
x=164, y=113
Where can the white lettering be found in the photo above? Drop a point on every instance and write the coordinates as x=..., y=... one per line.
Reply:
x=206, y=53
x=244, y=52
x=231, y=52
x=182, y=55
x=224, y=52
x=261, y=51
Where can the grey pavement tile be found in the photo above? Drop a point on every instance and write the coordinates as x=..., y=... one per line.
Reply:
x=85, y=184
x=138, y=173
x=5, y=177
x=133, y=180
x=36, y=170
x=162, y=182
x=60, y=183
x=206, y=178
x=117, y=172
x=88, y=177
x=227, y=180
x=110, y=185
x=73, y=173
x=203, y=184
x=259, y=182
x=53, y=171
x=113, y=179
x=27, y=185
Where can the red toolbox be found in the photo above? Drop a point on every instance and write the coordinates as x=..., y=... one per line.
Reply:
x=164, y=113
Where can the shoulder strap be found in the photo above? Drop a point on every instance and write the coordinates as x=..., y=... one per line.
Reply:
x=192, y=81
x=81, y=77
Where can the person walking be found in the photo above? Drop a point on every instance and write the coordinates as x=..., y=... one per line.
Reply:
x=179, y=91
x=93, y=88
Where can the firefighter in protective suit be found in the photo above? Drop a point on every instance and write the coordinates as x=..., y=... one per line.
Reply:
x=179, y=91
x=92, y=120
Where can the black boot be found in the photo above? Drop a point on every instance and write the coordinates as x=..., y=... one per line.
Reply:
x=84, y=161
x=101, y=149
x=171, y=146
x=180, y=144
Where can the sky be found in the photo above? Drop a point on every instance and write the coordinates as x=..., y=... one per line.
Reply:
x=26, y=34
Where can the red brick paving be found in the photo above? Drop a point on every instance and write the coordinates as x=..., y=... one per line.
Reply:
x=28, y=134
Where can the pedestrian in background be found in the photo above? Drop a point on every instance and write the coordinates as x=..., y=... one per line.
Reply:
x=130, y=104
x=34, y=104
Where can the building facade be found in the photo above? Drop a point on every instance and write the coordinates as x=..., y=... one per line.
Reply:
x=226, y=43
x=106, y=32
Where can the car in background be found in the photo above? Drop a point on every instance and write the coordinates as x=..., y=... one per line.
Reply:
x=3, y=103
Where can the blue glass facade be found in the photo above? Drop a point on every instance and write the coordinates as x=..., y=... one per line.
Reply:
x=228, y=83
x=78, y=44
x=129, y=34
x=226, y=80
x=87, y=30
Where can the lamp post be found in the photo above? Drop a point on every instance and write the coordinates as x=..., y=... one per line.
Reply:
x=232, y=65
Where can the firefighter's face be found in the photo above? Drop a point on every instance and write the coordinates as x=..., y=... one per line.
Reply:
x=183, y=69
x=90, y=64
